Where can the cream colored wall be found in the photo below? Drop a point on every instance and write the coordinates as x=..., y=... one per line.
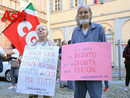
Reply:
x=66, y=4
x=126, y=32
x=104, y=14
x=58, y=34
x=56, y=25
x=99, y=12
x=108, y=24
x=112, y=6
x=111, y=16
x=63, y=16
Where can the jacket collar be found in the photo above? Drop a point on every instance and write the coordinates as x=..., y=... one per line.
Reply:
x=92, y=26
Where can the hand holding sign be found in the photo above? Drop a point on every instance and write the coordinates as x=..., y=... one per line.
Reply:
x=38, y=68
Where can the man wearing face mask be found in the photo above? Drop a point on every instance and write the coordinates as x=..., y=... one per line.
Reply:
x=87, y=31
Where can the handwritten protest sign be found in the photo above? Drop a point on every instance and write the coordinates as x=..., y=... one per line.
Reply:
x=37, y=72
x=86, y=61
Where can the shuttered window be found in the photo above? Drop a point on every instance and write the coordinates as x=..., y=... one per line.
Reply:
x=58, y=5
x=51, y=5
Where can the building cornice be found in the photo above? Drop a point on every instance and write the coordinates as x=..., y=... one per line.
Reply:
x=43, y=20
x=94, y=16
x=76, y=7
x=2, y=7
x=94, y=21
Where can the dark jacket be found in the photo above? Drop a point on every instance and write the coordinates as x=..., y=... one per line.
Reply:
x=126, y=55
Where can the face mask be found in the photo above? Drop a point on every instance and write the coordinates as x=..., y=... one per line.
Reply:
x=84, y=21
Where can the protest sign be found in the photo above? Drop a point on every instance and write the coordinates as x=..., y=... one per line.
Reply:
x=86, y=61
x=37, y=72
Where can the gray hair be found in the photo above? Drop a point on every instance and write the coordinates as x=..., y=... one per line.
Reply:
x=77, y=19
x=42, y=26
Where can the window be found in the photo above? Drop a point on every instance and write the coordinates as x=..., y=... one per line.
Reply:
x=57, y=41
x=58, y=5
x=71, y=3
x=84, y=2
x=27, y=0
x=51, y=5
x=77, y=2
x=99, y=1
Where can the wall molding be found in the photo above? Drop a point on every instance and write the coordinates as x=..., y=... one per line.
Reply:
x=76, y=7
x=94, y=16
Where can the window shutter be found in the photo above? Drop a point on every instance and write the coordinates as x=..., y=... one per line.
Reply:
x=83, y=2
x=61, y=4
x=51, y=5
x=71, y=3
x=79, y=2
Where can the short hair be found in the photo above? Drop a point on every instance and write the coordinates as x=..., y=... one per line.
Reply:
x=77, y=19
x=42, y=26
x=69, y=42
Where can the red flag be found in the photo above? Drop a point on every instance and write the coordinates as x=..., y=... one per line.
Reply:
x=23, y=33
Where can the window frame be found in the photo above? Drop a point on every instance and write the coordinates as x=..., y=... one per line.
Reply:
x=78, y=2
x=58, y=5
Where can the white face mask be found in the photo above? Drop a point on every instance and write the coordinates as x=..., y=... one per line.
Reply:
x=84, y=21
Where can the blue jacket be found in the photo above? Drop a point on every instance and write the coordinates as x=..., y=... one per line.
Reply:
x=95, y=33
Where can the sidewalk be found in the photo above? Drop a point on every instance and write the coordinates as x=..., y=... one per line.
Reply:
x=116, y=90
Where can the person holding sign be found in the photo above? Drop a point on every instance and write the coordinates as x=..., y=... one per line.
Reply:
x=87, y=31
x=62, y=83
x=126, y=55
x=70, y=84
x=42, y=33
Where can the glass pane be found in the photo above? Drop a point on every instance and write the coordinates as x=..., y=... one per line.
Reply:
x=79, y=2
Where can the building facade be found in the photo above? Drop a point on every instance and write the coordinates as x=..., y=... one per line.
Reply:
x=113, y=15
x=59, y=17
x=19, y=5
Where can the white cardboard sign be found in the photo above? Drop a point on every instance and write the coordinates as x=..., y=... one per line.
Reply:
x=37, y=73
